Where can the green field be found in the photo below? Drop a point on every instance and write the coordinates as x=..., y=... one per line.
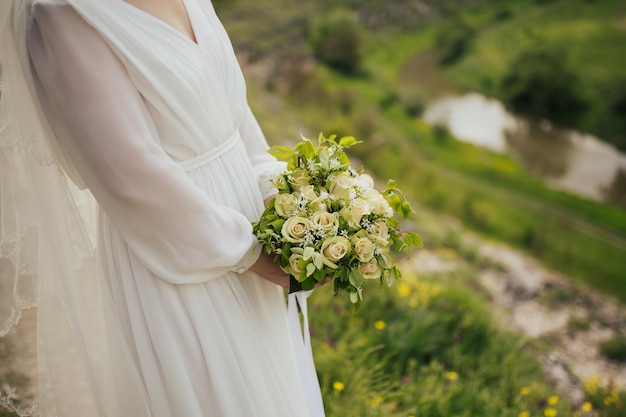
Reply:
x=398, y=357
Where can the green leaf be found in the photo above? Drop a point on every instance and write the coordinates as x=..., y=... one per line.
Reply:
x=306, y=148
x=356, y=278
x=309, y=284
x=294, y=285
x=318, y=260
x=413, y=240
x=348, y=141
x=354, y=298
x=385, y=261
x=319, y=275
x=277, y=224
x=310, y=269
x=308, y=253
x=282, y=153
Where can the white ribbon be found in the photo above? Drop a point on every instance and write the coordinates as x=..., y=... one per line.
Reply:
x=301, y=339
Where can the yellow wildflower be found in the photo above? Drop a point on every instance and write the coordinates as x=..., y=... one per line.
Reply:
x=338, y=386
x=592, y=385
x=524, y=414
x=587, y=406
x=550, y=412
x=553, y=400
x=404, y=290
x=380, y=325
x=452, y=376
x=524, y=391
x=374, y=401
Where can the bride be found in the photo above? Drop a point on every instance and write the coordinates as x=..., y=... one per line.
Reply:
x=131, y=168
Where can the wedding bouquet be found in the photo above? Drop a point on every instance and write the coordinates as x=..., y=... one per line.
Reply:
x=328, y=220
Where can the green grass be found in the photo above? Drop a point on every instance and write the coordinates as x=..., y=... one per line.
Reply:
x=426, y=347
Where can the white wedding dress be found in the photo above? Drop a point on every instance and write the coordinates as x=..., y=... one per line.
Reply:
x=157, y=127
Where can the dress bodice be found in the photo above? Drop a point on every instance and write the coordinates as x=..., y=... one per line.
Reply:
x=195, y=92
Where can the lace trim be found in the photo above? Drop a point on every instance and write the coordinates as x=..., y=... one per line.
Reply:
x=14, y=145
x=7, y=400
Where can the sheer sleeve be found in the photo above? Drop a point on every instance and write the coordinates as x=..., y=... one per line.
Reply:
x=102, y=124
x=265, y=165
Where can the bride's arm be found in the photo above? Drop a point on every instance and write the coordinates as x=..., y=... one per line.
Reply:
x=104, y=127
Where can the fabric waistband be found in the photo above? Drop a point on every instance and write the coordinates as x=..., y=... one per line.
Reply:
x=210, y=155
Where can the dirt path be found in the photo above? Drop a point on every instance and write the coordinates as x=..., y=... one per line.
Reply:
x=543, y=305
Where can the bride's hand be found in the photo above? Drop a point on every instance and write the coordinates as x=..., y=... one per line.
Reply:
x=269, y=270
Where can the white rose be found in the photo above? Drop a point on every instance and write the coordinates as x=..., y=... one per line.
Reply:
x=326, y=221
x=335, y=248
x=341, y=185
x=319, y=204
x=365, y=181
x=355, y=212
x=285, y=205
x=294, y=260
x=295, y=229
x=308, y=191
x=378, y=204
x=371, y=270
x=363, y=248
x=379, y=233
x=299, y=178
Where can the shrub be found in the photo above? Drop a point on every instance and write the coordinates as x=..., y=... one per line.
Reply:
x=540, y=84
x=337, y=41
x=453, y=41
x=412, y=101
x=615, y=348
x=611, y=123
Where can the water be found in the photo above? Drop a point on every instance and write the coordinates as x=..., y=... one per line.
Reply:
x=564, y=159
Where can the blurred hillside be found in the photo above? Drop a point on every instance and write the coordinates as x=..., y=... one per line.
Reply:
x=280, y=28
x=557, y=59
x=292, y=92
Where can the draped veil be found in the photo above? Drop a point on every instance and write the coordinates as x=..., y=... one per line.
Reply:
x=47, y=234
x=47, y=245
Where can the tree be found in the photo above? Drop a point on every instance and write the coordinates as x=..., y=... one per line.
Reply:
x=453, y=41
x=540, y=84
x=337, y=41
